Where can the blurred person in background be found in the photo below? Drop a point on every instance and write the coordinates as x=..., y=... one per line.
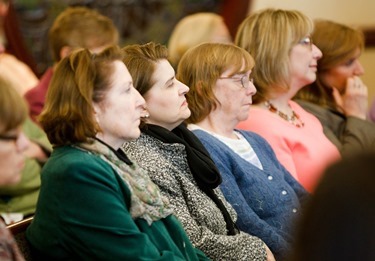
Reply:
x=338, y=222
x=17, y=73
x=18, y=201
x=193, y=30
x=13, y=143
x=75, y=27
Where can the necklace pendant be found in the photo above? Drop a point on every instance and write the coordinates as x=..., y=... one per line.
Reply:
x=294, y=119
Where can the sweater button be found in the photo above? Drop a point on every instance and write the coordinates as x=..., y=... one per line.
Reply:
x=270, y=178
x=284, y=192
x=294, y=210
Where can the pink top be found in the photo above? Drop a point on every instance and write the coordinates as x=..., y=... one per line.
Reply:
x=305, y=152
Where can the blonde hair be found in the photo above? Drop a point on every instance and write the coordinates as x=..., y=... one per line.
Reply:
x=81, y=27
x=269, y=35
x=13, y=108
x=193, y=30
x=201, y=67
x=338, y=43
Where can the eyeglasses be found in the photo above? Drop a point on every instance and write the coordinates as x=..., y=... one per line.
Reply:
x=306, y=41
x=245, y=80
x=9, y=137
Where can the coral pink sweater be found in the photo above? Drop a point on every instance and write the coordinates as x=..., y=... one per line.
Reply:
x=305, y=152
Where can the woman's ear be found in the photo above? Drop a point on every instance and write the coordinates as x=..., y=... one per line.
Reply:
x=97, y=111
x=65, y=51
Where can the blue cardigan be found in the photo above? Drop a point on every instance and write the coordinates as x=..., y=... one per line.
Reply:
x=267, y=201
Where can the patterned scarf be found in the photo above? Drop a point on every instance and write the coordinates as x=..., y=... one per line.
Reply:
x=146, y=199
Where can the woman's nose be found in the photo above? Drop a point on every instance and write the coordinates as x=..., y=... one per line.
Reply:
x=359, y=70
x=317, y=53
x=252, y=89
x=183, y=88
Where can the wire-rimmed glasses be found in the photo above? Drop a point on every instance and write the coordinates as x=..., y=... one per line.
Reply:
x=245, y=80
x=306, y=41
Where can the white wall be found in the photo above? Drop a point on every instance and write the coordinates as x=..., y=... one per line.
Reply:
x=359, y=13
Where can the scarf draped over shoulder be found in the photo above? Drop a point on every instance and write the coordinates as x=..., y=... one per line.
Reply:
x=146, y=199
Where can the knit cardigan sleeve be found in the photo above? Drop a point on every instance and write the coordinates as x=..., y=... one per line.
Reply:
x=267, y=152
x=248, y=220
x=266, y=200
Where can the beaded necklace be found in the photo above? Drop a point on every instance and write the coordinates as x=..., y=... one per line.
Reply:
x=294, y=119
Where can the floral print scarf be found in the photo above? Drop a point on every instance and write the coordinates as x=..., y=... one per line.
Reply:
x=146, y=199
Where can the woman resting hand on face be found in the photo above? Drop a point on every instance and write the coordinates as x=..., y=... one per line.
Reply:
x=179, y=164
x=95, y=203
x=338, y=97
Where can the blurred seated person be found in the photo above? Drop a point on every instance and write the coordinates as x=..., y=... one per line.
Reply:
x=265, y=195
x=18, y=201
x=95, y=203
x=338, y=223
x=73, y=28
x=195, y=29
x=13, y=143
x=338, y=97
x=179, y=164
x=13, y=70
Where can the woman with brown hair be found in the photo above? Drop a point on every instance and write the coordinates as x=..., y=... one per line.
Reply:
x=338, y=97
x=266, y=197
x=95, y=203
